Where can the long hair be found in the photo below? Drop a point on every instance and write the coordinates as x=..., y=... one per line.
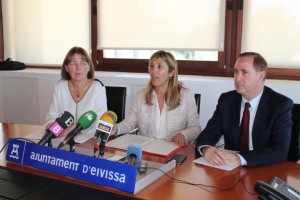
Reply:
x=172, y=98
x=84, y=55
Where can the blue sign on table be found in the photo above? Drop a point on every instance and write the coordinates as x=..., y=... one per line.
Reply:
x=94, y=170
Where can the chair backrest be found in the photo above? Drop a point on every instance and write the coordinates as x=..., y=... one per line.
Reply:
x=198, y=99
x=116, y=100
x=294, y=151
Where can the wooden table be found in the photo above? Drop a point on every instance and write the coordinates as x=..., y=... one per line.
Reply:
x=236, y=184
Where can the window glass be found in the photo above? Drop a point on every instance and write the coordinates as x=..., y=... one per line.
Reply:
x=146, y=54
x=272, y=28
x=43, y=31
x=192, y=29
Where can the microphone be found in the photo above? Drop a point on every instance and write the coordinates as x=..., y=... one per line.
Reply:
x=84, y=121
x=62, y=122
x=105, y=125
x=104, y=128
x=134, y=154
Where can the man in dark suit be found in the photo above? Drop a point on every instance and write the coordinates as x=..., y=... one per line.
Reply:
x=269, y=125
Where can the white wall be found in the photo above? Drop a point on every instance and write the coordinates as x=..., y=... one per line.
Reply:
x=25, y=95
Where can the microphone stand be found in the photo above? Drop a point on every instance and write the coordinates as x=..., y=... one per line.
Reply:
x=102, y=147
x=50, y=143
x=96, y=146
x=72, y=143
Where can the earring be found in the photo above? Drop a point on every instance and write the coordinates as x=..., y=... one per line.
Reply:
x=170, y=78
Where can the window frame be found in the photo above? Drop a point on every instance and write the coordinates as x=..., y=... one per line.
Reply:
x=1, y=34
x=140, y=65
x=223, y=67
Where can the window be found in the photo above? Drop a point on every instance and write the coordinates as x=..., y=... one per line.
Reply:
x=272, y=29
x=193, y=31
x=38, y=32
x=236, y=40
x=41, y=32
x=273, y=35
x=146, y=54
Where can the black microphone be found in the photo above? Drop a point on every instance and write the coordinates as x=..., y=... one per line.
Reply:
x=84, y=121
x=134, y=154
x=62, y=122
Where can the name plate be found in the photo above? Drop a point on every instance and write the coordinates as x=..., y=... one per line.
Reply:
x=90, y=169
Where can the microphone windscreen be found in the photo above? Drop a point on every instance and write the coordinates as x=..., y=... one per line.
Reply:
x=84, y=121
x=62, y=122
x=105, y=124
x=134, y=150
x=87, y=119
x=109, y=117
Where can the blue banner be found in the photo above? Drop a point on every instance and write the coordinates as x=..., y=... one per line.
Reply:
x=90, y=169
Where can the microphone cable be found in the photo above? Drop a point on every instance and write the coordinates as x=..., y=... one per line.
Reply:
x=203, y=185
x=27, y=140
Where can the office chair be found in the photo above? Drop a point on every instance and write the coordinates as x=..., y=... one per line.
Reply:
x=294, y=151
x=198, y=99
x=116, y=100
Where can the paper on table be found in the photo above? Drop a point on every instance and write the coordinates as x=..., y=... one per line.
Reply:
x=123, y=141
x=161, y=147
x=38, y=136
x=149, y=145
x=80, y=138
x=35, y=135
x=202, y=161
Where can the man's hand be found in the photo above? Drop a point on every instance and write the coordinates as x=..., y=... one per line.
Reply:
x=230, y=158
x=220, y=157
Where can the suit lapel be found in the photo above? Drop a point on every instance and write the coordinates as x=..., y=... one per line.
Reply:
x=261, y=114
x=236, y=107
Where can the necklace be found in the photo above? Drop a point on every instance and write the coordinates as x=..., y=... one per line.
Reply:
x=78, y=91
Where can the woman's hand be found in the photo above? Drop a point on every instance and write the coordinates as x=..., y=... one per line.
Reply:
x=114, y=130
x=68, y=130
x=179, y=139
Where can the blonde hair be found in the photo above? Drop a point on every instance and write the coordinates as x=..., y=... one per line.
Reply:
x=173, y=94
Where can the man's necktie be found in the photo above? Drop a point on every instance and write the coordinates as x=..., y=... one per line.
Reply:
x=245, y=129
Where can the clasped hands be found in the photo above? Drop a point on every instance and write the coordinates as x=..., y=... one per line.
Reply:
x=220, y=157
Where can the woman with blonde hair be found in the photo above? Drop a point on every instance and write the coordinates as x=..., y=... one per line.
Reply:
x=164, y=109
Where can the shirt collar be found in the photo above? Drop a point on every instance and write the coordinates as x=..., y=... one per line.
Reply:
x=254, y=102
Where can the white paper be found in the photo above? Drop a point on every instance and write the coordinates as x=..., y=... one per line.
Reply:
x=148, y=144
x=202, y=161
x=80, y=138
x=159, y=146
x=123, y=141
x=35, y=135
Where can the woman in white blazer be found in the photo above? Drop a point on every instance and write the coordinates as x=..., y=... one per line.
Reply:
x=164, y=109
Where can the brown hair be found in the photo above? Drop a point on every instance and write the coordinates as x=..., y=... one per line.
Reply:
x=259, y=63
x=64, y=74
x=174, y=86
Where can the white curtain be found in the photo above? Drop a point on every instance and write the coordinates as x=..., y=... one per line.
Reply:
x=161, y=24
x=42, y=31
x=272, y=28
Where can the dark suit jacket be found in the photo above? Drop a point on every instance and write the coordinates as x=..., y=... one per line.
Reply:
x=271, y=131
